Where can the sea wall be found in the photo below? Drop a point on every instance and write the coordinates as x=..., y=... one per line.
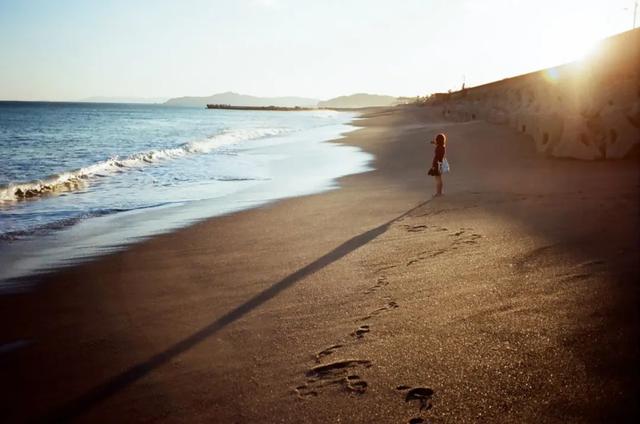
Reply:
x=589, y=109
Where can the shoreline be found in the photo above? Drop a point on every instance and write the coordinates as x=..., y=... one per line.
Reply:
x=488, y=300
x=87, y=239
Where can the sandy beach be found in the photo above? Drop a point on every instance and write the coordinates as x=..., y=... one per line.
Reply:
x=511, y=299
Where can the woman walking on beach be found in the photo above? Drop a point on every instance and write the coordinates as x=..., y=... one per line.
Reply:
x=439, y=164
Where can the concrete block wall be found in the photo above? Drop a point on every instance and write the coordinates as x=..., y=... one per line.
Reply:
x=585, y=110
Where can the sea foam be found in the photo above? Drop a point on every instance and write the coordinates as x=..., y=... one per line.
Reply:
x=74, y=179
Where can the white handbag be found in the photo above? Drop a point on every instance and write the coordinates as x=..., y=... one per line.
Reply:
x=444, y=166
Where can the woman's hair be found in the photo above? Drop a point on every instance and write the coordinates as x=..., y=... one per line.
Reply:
x=441, y=139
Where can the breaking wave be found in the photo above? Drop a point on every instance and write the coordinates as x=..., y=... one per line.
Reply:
x=75, y=179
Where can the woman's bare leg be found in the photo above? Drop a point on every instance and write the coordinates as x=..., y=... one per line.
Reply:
x=438, y=185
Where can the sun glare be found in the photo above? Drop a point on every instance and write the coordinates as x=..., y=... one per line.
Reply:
x=573, y=46
x=551, y=74
x=572, y=51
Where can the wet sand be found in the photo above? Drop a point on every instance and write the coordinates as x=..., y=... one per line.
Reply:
x=513, y=298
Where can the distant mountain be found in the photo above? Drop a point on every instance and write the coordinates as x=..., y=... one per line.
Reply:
x=359, y=100
x=102, y=99
x=235, y=99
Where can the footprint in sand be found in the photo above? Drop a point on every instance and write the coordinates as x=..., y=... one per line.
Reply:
x=390, y=305
x=426, y=255
x=415, y=228
x=421, y=256
x=335, y=374
x=328, y=351
x=421, y=395
x=437, y=253
x=470, y=239
x=384, y=268
x=361, y=331
x=382, y=282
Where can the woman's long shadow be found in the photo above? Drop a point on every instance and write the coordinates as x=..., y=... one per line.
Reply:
x=101, y=392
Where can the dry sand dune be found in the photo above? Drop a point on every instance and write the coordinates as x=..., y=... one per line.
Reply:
x=513, y=298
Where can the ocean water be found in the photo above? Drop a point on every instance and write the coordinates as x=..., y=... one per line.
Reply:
x=78, y=180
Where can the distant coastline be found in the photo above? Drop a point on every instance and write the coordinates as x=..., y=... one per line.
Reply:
x=292, y=109
x=266, y=108
x=243, y=101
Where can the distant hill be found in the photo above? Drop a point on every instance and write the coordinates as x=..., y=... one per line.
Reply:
x=359, y=100
x=102, y=99
x=235, y=99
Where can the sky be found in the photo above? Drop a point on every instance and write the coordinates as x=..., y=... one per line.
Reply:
x=73, y=49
